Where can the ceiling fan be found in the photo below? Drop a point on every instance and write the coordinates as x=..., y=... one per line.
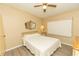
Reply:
x=45, y=5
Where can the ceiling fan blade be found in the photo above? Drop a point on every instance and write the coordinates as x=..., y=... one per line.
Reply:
x=37, y=5
x=52, y=5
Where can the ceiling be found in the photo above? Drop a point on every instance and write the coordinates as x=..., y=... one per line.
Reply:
x=61, y=7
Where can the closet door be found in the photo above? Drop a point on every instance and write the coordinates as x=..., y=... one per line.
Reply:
x=2, y=36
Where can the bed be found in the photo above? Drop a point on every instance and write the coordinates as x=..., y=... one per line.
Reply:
x=41, y=45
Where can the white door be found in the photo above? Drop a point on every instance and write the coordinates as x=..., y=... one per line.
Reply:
x=2, y=41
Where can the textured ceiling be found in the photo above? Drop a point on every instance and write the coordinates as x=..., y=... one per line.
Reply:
x=61, y=7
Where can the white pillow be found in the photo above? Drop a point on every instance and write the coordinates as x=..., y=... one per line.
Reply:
x=29, y=35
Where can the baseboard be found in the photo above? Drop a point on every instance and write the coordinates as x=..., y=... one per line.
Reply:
x=13, y=48
x=66, y=44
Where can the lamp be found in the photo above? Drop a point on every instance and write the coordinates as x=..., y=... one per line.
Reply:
x=42, y=27
x=76, y=43
x=76, y=46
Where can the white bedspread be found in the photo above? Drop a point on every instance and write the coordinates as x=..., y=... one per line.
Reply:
x=41, y=45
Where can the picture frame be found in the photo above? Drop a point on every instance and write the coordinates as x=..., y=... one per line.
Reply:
x=30, y=25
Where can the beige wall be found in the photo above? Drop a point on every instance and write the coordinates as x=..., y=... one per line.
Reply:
x=13, y=21
x=75, y=17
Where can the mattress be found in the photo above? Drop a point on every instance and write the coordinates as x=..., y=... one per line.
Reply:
x=41, y=45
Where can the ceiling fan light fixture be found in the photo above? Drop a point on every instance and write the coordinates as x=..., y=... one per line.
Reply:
x=44, y=6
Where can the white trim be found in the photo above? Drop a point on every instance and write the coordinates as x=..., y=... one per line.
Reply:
x=66, y=44
x=13, y=48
